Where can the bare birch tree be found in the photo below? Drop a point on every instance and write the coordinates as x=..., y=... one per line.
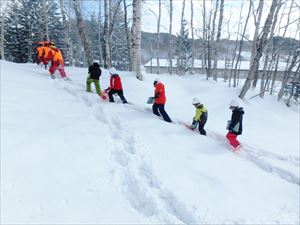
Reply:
x=241, y=45
x=215, y=73
x=100, y=33
x=262, y=41
x=257, y=19
x=204, y=52
x=136, y=37
x=170, y=38
x=106, y=35
x=212, y=35
x=274, y=75
x=267, y=53
x=158, y=37
x=287, y=74
x=67, y=38
x=127, y=35
x=236, y=45
x=80, y=24
x=193, y=41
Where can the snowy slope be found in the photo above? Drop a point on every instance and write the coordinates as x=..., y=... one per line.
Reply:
x=68, y=157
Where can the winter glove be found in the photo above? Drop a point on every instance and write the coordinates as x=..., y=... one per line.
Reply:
x=194, y=124
x=107, y=89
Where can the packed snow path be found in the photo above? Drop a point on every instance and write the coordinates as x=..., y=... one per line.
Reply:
x=140, y=185
x=261, y=157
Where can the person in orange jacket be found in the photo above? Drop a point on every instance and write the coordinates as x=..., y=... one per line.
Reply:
x=158, y=107
x=46, y=50
x=39, y=52
x=57, y=61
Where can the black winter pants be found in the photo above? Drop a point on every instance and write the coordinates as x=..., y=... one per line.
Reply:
x=159, y=110
x=119, y=92
x=201, y=129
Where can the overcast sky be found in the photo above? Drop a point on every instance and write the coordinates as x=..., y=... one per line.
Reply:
x=232, y=11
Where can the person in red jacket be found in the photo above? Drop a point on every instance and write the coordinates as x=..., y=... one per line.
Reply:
x=158, y=107
x=115, y=86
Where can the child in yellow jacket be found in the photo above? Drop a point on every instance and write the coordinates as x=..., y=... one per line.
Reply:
x=200, y=118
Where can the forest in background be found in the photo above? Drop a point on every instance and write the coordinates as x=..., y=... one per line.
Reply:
x=113, y=36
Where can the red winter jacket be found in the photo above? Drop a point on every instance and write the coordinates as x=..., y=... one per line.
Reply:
x=115, y=82
x=159, y=93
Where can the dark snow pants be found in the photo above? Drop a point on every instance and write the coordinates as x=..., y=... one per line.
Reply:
x=201, y=129
x=119, y=92
x=159, y=110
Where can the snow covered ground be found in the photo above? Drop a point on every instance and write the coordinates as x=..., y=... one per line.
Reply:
x=68, y=157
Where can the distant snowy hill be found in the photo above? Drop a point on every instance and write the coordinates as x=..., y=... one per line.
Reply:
x=69, y=157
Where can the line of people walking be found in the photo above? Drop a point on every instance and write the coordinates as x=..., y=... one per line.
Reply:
x=159, y=101
x=48, y=52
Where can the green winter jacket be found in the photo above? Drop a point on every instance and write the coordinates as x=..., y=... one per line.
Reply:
x=201, y=114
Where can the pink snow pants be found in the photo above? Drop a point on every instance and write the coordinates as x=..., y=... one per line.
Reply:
x=61, y=69
x=232, y=139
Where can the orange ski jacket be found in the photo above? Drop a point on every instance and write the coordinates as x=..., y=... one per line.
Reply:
x=55, y=55
x=159, y=93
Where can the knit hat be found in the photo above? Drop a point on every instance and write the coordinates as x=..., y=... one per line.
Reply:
x=157, y=80
x=112, y=71
x=234, y=103
x=96, y=61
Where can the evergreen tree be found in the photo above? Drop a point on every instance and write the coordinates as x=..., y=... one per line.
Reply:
x=183, y=50
x=119, y=52
x=92, y=27
x=25, y=28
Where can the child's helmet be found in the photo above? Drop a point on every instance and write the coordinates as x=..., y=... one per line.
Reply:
x=196, y=101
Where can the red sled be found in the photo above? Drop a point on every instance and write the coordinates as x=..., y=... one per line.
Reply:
x=104, y=95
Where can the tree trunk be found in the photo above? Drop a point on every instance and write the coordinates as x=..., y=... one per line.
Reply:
x=208, y=48
x=100, y=34
x=67, y=38
x=127, y=36
x=262, y=41
x=204, y=53
x=170, y=38
x=277, y=58
x=212, y=37
x=236, y=47
x=241, y=43
x=288, y=72
x=193, y=42
x=267, y=53
x=106, y=35
x=136, y=31
x=158, y=37
x=254, y=43
x=80, y=24
x=45, y=14
x=215, y=73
